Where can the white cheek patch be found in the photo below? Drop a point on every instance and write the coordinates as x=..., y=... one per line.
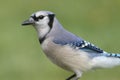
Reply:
x=42, y=30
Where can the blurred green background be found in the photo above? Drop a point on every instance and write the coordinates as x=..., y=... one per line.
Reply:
x=21, y=57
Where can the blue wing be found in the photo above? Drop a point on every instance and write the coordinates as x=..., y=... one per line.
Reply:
x=87, y=46
x=66, y=38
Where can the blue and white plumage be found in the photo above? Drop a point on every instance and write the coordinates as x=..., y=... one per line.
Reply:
x=66, y=49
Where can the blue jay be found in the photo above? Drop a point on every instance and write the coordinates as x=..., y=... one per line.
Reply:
x=67, y=50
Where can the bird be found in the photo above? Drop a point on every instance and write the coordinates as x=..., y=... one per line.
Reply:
x=66, y=49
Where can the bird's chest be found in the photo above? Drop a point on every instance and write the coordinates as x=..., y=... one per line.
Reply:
x=65, y=56
x=56, y=53
x=52, y=51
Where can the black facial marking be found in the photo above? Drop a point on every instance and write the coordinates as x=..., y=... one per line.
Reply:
x=41, y=17
x=51, y=18
x=34, y=17
x=37, y=18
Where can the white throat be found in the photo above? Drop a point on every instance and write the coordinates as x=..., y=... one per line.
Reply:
x=42, y=31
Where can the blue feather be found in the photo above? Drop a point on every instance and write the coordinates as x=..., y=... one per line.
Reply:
x=81, y=45
x=112, y=55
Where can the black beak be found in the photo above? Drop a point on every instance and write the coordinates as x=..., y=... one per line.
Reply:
x=28, y=22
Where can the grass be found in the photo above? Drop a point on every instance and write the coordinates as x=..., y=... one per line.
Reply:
x=21, y=57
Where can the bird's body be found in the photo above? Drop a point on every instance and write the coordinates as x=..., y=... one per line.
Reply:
x=67, y=50
x=67, y=60
x=64, y=59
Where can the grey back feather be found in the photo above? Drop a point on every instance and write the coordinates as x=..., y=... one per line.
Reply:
x=62, y=35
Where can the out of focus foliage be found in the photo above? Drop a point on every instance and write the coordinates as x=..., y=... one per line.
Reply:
x=21, y=57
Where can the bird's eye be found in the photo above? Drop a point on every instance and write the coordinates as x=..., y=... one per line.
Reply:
x=41, y=17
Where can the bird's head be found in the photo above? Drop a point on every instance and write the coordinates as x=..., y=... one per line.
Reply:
x=42, y=22
x=40, y=19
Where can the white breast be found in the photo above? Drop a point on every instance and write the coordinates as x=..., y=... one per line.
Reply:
x=66, y=57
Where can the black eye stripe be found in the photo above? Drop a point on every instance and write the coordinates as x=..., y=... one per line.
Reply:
x=41, y=17
x=34, y=17
x=37, y=18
